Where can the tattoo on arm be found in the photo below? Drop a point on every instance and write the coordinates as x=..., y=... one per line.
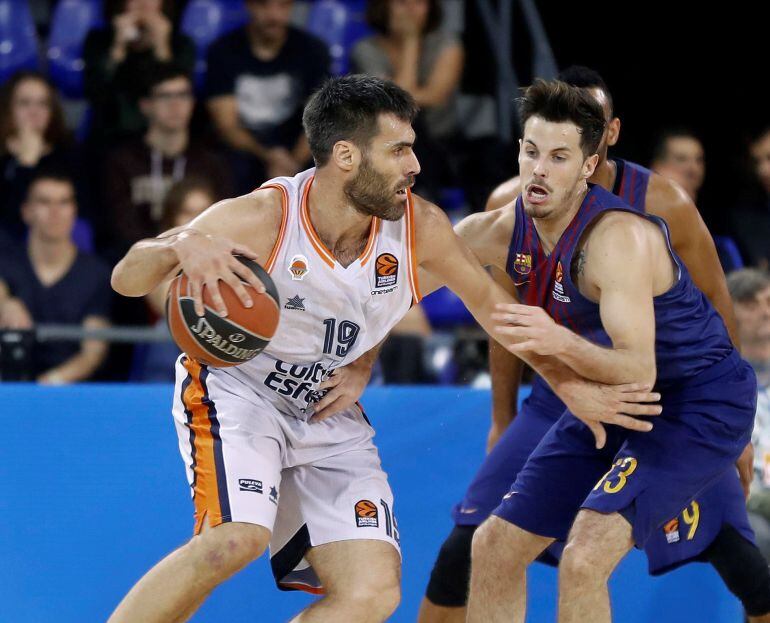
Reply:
x=579, y=262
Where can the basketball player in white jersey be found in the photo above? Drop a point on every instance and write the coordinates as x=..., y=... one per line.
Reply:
x=343, y=243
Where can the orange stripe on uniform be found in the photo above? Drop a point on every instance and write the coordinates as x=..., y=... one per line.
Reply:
x=373, y=232
x=205, y=488
x=281, y=232
x=411, y=248
x=304, y=215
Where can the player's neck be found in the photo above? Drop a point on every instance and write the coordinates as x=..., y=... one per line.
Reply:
x=170, y=144
x=551, y=228
x=604, y=174
x=339, y=225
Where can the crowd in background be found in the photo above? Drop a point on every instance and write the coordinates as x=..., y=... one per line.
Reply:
x=161, y=140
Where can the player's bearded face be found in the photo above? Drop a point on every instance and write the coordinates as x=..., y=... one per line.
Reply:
x=378, y=194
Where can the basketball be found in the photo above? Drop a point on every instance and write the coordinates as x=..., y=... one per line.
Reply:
x=229, y=341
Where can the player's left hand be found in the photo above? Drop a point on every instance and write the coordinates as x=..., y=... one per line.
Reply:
x=345, y=385
x=745, y=465
x=531, y=328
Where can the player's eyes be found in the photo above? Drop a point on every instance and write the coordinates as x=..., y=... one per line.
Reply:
x=559, y=158
x=530, y=153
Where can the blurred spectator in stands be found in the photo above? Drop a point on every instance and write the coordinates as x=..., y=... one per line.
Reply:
x=33, y=136
x=258, y=80
x=138, y=174
x=185, y=200
x=118, y=58
x=750, y=220
x=679, y=156
x=750, y=291
x=411, y=49
x=55, y=283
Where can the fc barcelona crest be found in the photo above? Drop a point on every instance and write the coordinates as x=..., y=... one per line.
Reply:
x=523, y=263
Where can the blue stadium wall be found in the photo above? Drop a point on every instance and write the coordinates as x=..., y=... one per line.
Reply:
x=93, y=493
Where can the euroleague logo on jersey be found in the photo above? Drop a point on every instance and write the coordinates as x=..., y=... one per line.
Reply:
x=298, y=267
x=385, y=270
x=366, y=514
x=558, y=288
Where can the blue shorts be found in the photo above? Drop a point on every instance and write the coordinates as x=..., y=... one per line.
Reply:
x=501, y=466
x=648, y=477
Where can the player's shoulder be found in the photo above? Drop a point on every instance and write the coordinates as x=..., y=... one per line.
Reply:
x=427, y=215
x=263, y=205
x=504, y=194
x=617, y=228
x=667, y=199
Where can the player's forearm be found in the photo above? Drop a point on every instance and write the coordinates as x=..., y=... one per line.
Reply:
x=505, y=371
x=145, y=266
x=606, y=365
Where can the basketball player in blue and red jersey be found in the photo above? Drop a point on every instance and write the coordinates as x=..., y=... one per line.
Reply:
x=722, y=537
x=343, y=243
x=607, y=296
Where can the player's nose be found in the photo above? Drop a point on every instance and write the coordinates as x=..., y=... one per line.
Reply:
x=414, y=166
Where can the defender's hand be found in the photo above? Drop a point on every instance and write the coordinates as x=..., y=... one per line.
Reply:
x=532, y=329
x=207, y=260
x=595, y=404
x=345, y=385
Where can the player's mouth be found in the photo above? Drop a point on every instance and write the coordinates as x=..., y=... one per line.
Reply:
x=401, y=192
x=536, y=194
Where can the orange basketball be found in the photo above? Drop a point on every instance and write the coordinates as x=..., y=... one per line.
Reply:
x=229, y=341
x=387, y=264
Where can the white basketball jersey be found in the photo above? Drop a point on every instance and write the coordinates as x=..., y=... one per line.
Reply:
x=330, y=314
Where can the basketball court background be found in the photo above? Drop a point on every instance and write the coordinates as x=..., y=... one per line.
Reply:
x=93, y=493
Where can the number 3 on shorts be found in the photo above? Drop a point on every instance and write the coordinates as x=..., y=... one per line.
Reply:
x=625, y=467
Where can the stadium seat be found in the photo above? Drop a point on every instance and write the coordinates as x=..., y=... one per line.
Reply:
x=729, y=255
x=340, y=24
x=445, y=310
x=204, y=21
x=70, y=23
x=328, y=21
x=83, y=235
x=18, y=40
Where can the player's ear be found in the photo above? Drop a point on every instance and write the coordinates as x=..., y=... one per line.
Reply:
x=345, y=155
x=589, y=166
x=613, y=131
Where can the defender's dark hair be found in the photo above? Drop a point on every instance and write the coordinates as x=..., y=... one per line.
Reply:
x=586, y=78
x=162, y=72
x=660, y=150
x=378, y=16
x=347, y=108
x=558, y=101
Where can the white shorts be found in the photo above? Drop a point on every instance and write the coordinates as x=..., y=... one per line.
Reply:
x=308, y=483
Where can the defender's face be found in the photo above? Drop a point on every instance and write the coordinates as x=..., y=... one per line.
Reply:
x=387, y=168
x=611, y=124
x=551, y=166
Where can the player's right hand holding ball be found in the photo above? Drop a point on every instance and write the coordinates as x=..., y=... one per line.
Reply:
x=207, y=260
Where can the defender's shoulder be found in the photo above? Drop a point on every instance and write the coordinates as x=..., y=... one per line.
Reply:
x=667, y=199
x=504, y=194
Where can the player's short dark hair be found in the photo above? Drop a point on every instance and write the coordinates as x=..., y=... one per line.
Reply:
x=557, y=101
x=746, y=283
x=660, y=149
x=163, y=72
x=586, y=78
x=378, y=16
x=348, y=108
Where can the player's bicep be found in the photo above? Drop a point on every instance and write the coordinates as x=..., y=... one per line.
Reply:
x=622, y=271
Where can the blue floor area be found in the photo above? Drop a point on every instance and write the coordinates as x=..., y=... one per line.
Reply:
x=93, y=493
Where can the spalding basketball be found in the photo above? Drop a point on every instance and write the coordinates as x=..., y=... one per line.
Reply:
x=229, y=341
